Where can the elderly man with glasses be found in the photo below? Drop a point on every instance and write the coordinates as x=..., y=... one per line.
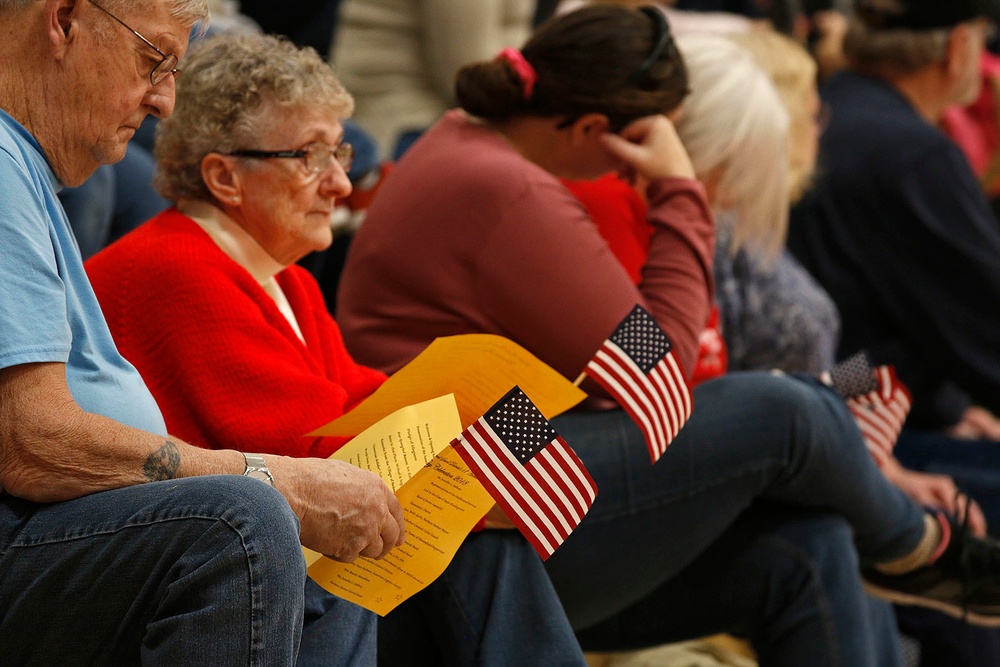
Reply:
x=120, y=544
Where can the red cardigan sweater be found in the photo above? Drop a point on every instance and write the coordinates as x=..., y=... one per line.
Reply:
x=224, y=365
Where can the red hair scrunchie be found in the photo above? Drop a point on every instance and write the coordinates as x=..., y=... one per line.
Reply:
x=523, y=68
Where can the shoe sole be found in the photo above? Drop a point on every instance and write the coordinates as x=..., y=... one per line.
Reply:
x=911, y=600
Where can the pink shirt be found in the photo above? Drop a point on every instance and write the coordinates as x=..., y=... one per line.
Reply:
x=467, y=236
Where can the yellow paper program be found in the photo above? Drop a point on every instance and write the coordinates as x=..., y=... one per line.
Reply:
x=441, y=500
x=478, y=368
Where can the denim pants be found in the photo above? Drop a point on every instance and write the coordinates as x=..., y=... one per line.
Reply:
x=204, y=571
x=494, y=605
x=750, y=524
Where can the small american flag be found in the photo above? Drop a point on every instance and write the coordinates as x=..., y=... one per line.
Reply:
x=635, y=365
x=529, y=470
x=877, y=399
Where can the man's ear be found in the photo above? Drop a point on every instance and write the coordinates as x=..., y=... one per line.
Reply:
x=221, y=179
x=61, y=24
x=588, y=127
x=958, y=51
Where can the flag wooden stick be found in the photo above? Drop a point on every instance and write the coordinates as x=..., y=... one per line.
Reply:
x=577, y=381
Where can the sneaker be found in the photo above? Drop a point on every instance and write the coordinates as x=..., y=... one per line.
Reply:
x=963, y=581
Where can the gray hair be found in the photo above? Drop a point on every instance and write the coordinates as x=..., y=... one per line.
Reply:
x=187, y=12
x=735, y=126
x=891, y=53
x=229, y=84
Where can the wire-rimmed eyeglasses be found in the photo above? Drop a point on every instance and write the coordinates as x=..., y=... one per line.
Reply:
x=317, y=156
x=168, y=61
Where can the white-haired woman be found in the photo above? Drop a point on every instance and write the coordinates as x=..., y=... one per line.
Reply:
x=739, y=134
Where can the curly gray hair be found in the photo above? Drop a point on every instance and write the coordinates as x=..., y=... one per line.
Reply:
x=221, y=102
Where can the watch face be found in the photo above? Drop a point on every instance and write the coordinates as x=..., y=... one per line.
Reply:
x=259, y=474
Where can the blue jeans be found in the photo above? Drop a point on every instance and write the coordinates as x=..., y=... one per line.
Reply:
x=686, y=547
x=494, y=605
x=203, y=571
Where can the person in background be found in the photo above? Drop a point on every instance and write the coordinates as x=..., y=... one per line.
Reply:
x=474, y=233
x=116, y=199
x=900, y=234
x=233, y=338
x=399, y=57
x=775, y=314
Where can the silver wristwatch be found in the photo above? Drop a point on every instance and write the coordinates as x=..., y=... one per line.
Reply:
x=257, y=468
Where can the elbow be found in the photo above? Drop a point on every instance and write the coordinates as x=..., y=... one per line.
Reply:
x=25, y=471
x=16, y=477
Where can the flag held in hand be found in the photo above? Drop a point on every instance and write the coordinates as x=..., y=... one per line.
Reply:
x=877, y=399
x=529, y=470
x=636, y=366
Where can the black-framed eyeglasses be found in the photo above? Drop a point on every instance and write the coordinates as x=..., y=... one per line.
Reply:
x=317, y=156
x=168, y=61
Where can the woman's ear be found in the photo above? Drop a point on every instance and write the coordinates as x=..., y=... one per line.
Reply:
x=588, y=127
x=221, y=178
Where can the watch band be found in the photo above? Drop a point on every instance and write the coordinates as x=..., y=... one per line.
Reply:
x=257, y=468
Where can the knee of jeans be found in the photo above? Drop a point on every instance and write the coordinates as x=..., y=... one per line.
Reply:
x=823, y=545
x=256, y=509
x=807, y=407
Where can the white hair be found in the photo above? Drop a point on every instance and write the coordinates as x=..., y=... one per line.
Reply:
x=187, y=12
x=736, y=130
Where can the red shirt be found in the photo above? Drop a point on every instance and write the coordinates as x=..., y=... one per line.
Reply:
x=225, y=366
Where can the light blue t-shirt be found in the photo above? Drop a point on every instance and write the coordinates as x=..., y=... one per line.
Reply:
x=48, y=311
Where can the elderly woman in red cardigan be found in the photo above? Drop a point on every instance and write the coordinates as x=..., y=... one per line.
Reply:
x=234, y=339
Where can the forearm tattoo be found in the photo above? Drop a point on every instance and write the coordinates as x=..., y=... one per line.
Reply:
x=163, y=463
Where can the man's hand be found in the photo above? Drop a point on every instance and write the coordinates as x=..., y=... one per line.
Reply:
x=345, y=511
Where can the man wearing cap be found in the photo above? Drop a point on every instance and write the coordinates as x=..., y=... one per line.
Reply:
x=898, y=230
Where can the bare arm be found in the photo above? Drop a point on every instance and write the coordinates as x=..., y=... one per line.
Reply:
x=52, y=450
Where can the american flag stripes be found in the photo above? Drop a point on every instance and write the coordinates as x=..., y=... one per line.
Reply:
x=635, y=365
x=877, y=399
x=529, y=470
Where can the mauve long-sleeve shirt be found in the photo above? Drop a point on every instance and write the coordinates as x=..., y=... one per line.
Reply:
x=468, y=236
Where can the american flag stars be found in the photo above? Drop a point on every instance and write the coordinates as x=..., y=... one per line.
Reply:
x=636, y=367
x=534, y=476
x=521, y=426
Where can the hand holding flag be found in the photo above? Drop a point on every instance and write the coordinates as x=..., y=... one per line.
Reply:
x=636, y=366
x=529, y=470
x=877, y=399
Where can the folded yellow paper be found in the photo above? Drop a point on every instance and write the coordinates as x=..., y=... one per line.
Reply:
x=478, y=368
x=441, y=500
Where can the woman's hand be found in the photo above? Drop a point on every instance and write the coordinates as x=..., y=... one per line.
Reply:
x=937, y=492
x=649, y=147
